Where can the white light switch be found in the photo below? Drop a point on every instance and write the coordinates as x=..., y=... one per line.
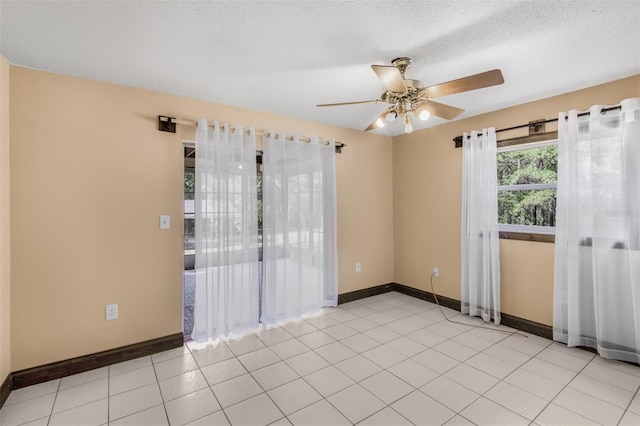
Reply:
x=165, y=222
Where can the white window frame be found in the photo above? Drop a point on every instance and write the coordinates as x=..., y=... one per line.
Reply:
x=527, y=229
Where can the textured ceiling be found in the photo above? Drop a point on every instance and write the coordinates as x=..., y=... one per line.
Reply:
x=286, y=56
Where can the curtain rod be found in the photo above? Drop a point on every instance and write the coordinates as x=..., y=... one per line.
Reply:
x=168, y=124
x=536, y=124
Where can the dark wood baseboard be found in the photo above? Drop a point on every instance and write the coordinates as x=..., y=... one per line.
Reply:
x=365, y=292
x=527, y=326
x=521, y=324
x=56, y=370
x=445, y=301
x=507, y=320
x=5, y=389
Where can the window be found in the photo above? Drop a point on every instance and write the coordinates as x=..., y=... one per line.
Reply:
x=189, y=205
x=527, y=183
x=189, y=217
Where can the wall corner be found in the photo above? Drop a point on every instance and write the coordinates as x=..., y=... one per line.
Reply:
x=5, y=224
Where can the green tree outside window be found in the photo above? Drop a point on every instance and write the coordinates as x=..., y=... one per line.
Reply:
x=528, y=166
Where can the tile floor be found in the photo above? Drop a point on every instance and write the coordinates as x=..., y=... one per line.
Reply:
x=385, y=360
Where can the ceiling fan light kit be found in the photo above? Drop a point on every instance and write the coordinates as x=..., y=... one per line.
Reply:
x=410, y=96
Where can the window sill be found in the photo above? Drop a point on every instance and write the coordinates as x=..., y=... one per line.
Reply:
x=527, y=236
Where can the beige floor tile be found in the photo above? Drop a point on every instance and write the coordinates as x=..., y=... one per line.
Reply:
x=554, y=415
x=223, y=371
x=126, y=403
x=592, y=408
x=134, y=364
x=94, y=413
x=320, y=413
x=360, y=342
x=385, y=417
x=490, y=365
x=328, y=381
x=517, y=400
x=219, y=418
x=131, y=380
x=175, y=366
x=335, y=352
x=191, y=407
x=356, y=403
x=258, y=410
x=485, y=412
x=294, y=396
x=258, y=359
x=383, y=356
x=413, y=372
x=274, y=375
x=358, y=367
x=307, y=363
x=30, y=392
x=289, y=349
x=81, y=394
x=154, y=416
x=184, y=384
x=607, y=392
x=630, y=419
x=25, y=411
x=436, y=361
x=471, y=378
x=82, y=378
x=534, y=383
x=449, y=393
x=236, y=390
x=212, y=355
x=387, y=387
x=421, y=409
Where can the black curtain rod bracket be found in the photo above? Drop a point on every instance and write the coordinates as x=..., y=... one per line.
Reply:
x=166, y=124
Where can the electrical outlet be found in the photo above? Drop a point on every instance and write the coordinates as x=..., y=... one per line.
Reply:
x=358, y=267
x=165, y=222
x=436, y=272
x=111, y=312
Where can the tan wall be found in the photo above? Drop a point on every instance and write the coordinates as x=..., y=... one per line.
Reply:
x=5, y=241
x=91, y=174
x=427, y=182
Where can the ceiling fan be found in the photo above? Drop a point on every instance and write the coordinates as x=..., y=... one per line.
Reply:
x=410, y=96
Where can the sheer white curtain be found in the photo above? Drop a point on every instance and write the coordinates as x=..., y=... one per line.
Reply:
x=226, y=227
x=299, y=227
x=597, y=257
x=480, y=239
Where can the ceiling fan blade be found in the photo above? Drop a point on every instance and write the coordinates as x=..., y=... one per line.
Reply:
x=374, y=101
x=382, y=115
x=473, y=82
x=391, y=78
x=440, y=110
